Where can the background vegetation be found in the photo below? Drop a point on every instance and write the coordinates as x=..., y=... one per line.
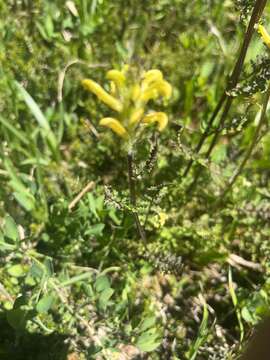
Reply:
x=76, y=281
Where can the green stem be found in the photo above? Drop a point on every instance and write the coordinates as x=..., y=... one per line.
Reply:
x=77, y=278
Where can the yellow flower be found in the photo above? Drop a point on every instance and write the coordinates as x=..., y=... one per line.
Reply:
x=164, y=89
x=112, y=88
x=148, y=94
x=162, y=218
x=136, y=116
x=264, y=34
x=117, y=77
x=129, y=98
x=152, y=76
x=135, y=92
x=125, y=69
x=114, y=125
x=155, y=89
x=160, y=117
x=108, y=99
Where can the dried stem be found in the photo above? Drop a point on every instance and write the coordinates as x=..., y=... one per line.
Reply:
x=256, y=14
x=255, y=17
x=86, y=189
x=252, y=145
x=133, y=197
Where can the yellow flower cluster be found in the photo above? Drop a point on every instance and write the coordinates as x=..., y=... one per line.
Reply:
x=264, y=34
x=129, y=99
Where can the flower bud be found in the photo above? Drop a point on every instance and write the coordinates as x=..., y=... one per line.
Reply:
x=117, y=77
x=108, y=99
x=160, y=117
x=152, y=76
x=114, y=125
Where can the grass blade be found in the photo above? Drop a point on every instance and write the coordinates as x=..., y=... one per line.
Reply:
x=34, y=108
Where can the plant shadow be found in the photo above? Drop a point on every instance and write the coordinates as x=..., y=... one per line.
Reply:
x=28, y=346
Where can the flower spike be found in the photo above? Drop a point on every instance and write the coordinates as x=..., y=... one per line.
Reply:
x=129, y=95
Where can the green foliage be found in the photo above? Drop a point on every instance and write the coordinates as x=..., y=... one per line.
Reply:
x=74, y=271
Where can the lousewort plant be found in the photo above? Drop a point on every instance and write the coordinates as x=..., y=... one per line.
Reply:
x=129, y=98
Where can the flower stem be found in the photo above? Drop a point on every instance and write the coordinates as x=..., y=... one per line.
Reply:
x=133, y=197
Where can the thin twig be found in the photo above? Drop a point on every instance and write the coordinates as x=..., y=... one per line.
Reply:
x=252, y=145
x=256, y=14
x=62, y=74
x=133, y=197
x=87, y=188
x=238, y=261
x=91, y=128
